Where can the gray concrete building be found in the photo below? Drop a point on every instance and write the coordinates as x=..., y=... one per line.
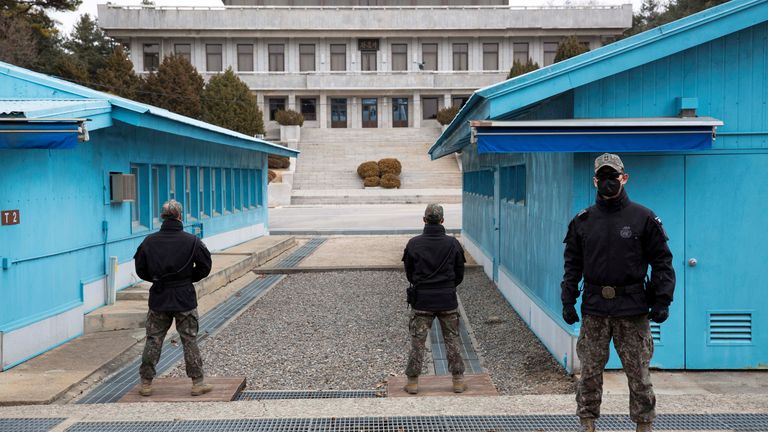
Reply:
x=359, y=63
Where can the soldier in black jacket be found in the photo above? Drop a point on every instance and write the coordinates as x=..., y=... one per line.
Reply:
x=172, y=260
x=611, y=245
x=434, y=265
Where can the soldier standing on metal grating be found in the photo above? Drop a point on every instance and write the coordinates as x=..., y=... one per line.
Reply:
x=611, y=245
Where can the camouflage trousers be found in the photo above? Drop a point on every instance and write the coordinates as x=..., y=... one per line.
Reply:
x=634, y=344
x=419, y=326
x=158, y=324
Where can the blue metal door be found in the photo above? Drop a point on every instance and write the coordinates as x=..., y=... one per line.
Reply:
x=726, y=243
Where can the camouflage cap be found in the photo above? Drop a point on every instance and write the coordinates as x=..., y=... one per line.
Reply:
x=434, y=212
x=609, y=160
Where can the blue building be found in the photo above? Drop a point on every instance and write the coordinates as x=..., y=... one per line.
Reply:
x=656, y=98
x=70, y=158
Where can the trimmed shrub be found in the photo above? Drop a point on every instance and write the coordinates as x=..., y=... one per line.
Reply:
x=371, y=181
x=368, y=169
x=278, y=162
x=522, y=68
x=271, y=175
x=390, y=166
x=446, y=115
x=390, y=181
x=570, y=47
x=289, y=118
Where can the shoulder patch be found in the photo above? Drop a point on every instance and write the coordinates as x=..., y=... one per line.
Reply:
x=661, y=227
x=583, y=214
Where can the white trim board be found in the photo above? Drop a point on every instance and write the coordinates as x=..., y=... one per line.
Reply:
x=19, y=345
x=235, y=237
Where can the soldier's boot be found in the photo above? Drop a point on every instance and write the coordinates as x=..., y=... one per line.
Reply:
x=199, y=387
x=587, y=425
x=412, y=387
x=644, y=427
x=146, y=387
x=458, y=384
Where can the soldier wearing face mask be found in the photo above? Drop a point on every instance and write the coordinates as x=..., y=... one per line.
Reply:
x=611, y=245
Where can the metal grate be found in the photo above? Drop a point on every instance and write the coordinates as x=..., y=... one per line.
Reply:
x=28, y=424
x=729, y=328
x=510, y=423
x=440, y=356
x=115, y=387
x=310, y=394
x=304, y=251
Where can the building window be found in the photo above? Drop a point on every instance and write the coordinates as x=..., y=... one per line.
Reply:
x=550, y=51
x=338, y=57
x=136, y=204
x=306, y=57
x=399, y=57
x=275, y=105
x=256, y=188
x=245, y=57
x=190, y=184
x=172, y=183
x=216, y=195
x=238, y=189
x=478, y=183
x=156, y=195
x=228, y=190
x=151, y=57
x=184, y=51
x=459, y=101
x=513, y=179
x=368, y=60
x=203, y=183
x=276, y=57
x=490, y=56
x=520, y=52
x=429, y=57
x=460, y=56
x=309, y=108
x=429, y=107
x=213, y=61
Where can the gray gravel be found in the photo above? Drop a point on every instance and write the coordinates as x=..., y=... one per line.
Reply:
x=517, y=362
x=343, y=330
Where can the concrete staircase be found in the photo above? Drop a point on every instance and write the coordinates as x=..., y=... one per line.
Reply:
x=130, y=310
x=326, y=170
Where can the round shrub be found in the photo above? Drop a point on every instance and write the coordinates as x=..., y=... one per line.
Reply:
x=371, y=181
x=446, y=115
x=289, y=118
x=278, y=162
x=390, y=181
x=390, y=166
x=271, y=175
x=368, y=169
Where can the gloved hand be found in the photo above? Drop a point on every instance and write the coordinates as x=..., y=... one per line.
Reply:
x=569, y=314
x=658, y=313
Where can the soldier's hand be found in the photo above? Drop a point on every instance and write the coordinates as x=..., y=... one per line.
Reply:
x=569, y=314
x=658, y=314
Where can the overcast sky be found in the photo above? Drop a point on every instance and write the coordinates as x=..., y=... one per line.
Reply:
x=68, y=20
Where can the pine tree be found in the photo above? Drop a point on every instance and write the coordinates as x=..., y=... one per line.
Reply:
x=229, y=103
x=17, y=42
x=652, y=15
x=176, y=86
x=72, y=69
x=570, y=47
x=89, y=45
x=519, y=68
x=117, y=75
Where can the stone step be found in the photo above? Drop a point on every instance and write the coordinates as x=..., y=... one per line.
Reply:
x=130, y=310
x=376, y=196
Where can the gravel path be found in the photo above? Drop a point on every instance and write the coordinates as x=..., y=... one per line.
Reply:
x=517, y=362
x=343, y=330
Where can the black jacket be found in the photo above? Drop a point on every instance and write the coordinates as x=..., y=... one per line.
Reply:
x=435, y=285
x=158, y=259
x=613, y=243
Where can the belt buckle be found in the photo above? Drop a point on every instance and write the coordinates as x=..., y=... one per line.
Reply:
x=608, y=292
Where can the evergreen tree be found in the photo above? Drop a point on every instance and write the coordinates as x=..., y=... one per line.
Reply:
x=117, y=75
x=18, y=45
x=89, y=45
x=176, y=86
x=519, y=68
x=570, y=47
x=70, y=68
x=229, y=103
x=652, y=15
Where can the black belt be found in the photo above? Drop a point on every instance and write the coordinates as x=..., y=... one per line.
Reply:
x=611, y=291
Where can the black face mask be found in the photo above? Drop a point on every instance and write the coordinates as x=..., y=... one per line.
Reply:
x=608, y=187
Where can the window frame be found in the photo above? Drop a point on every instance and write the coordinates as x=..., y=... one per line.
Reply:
x=308, y=116
x=402, y=57
x=495, y=54
x=368, y=61
x=276, y=60
x=273, y=109
x=211, y=54
x=305, y=56
x=436, y=100
x=461, y=56
x=191, y=177
x=518, y=54
x=186, y=55
x=546, y=52
x=334, y=55
x=436, y=55
x=154, y=65
x=241, y=61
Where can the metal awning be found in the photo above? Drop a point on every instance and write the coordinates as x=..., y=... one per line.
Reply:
x=41, y=134
x=595, y=135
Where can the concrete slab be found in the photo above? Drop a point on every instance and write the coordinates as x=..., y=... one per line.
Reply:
x=380, y=217
x=442, y=385
x=694, y=382
x=225, y=389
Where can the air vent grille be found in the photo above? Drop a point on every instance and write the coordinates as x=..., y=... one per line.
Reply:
x=730, y=328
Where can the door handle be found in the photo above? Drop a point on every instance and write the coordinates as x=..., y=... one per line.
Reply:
x=692, y=262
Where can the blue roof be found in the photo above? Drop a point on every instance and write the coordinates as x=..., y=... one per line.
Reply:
x=144, y=115
x=498, y=101
x=53, y=108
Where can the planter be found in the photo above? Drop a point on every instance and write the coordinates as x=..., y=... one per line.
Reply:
x=290, y=135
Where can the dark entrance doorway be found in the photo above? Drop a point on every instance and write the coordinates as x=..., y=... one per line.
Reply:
x=370, y=113
x=399, y=112
x=338, y=113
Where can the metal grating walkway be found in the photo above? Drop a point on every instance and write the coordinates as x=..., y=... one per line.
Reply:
x=310, y=394
x=440, y=357
x=299, y=254
x=28, y=424
x=116, y=386
x=528, y=423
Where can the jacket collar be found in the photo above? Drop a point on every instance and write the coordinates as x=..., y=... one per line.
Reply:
x=613, y=204
x=434, y=229
x=171, y=225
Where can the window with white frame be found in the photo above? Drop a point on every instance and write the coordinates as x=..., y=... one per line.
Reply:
x=213, y=58
x=429, y=56
x=368, y=60
x=156, y=195
x=338, y=57
x=490, y=56
x=190, y=181
x=184, y=51
x=245, y=57
x=550, y=52
x=399, y=57
x=460, y=56
x=216, y=197
x=520, y=52
x=306, y=57
x=276, y=54
x=203, y=200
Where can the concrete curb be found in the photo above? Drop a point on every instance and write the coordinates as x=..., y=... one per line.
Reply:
x=292, y=270
x=383, y=231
